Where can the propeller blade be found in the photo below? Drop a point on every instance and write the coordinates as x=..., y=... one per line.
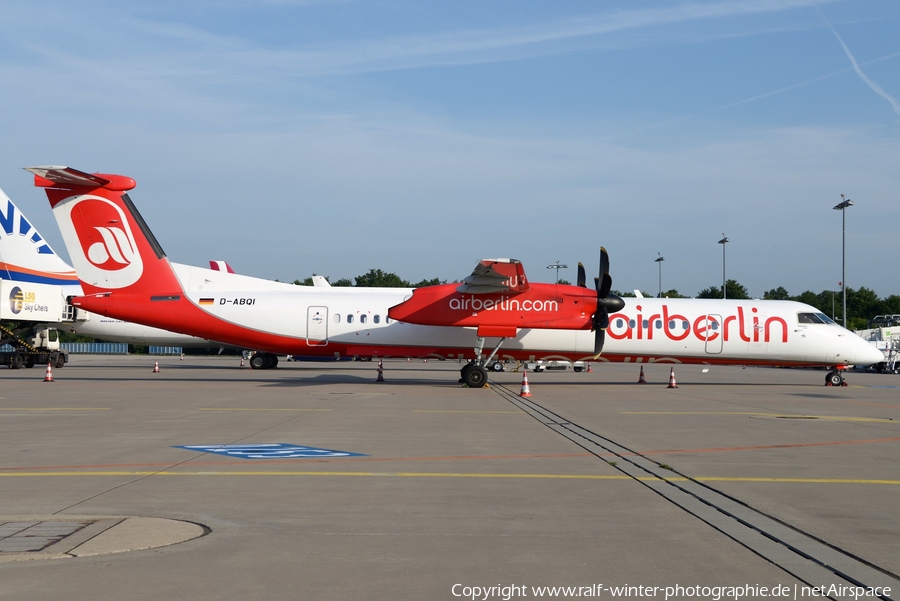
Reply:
x=604, y=287
x=582, y=276
x=599, y=339
x=606, y=302
x=604, y=261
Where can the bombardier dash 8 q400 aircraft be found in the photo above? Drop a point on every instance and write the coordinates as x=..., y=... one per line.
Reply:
x=125, y=274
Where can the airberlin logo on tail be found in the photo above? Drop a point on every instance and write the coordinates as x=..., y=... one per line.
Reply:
x=109, y=256
x=114, y=248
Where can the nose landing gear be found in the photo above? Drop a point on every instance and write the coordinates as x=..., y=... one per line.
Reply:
x=835, y=378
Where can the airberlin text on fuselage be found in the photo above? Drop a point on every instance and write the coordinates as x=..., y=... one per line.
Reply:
x=705, y=327
x=504, y=303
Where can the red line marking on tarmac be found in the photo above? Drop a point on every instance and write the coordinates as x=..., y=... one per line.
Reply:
x=873, y=404
x=773, y=446
x=286, y=461
x=455, y=457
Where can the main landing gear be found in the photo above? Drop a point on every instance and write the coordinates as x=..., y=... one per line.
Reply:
x=475, y=374
x=835, y=378
x=259, y=360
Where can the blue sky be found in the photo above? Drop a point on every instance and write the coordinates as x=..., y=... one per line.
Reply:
x=332, y=137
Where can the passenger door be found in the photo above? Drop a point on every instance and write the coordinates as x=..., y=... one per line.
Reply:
x=317, y=326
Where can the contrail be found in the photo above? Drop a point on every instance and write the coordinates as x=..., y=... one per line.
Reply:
x=875, y=87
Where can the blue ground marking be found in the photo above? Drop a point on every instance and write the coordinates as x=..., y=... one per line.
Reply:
x=273, y=450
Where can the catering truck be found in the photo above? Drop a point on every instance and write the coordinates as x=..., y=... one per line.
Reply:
x=26, y=312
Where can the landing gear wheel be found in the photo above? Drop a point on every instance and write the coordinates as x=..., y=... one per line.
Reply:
x=834, y=378
x=270, y=361
x=497, y=366
x=462, y=372
x=258, y=361
x=475, y=376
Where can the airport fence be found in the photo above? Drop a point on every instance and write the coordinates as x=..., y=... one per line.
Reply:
x=164, y=350
x=95, y=348
x=104, y=348
x=85, y=348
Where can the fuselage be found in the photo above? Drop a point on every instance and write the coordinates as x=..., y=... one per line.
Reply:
x=339, y=322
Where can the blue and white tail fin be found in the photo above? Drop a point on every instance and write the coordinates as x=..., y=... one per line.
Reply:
x=24, y=254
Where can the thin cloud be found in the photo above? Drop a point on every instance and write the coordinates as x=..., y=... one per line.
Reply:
x=459, y=47
x=489, y=45
x=748, y=100
x=865, y=78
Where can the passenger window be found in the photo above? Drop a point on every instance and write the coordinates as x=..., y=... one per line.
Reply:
x=685, y=325
x=350, y=319
x=377, y=319
x=631, y=323
x=715, y=325
x=362, y=318
x=671, y=324
x=645, y=323
x=658, y=323
x=388, y=320
x=620, y=323
x=336, y=318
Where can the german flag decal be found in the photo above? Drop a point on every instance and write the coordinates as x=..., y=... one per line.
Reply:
x=207, y=301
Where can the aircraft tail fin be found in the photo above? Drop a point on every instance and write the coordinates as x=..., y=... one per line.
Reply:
x=108, y=241
x=24, y=254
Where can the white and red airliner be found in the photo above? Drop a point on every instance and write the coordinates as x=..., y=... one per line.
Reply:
x=125, y=274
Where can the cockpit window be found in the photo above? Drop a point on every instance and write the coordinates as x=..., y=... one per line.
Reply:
x=813, y=318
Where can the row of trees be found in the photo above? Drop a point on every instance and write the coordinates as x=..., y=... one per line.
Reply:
x=376, y=278
x=862, y=303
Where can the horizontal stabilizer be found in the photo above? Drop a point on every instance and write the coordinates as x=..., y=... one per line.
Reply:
x=58, y=176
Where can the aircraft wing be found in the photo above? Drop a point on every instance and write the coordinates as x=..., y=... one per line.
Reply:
x=491, y=276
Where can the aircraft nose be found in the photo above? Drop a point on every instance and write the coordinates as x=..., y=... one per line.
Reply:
x=867, y=354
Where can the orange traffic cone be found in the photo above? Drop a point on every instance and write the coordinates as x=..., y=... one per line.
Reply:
x=242, y=361
x=672, y=379
x=156, y=367
x=49, y=376
x=526, y=392
x=642, y=380
x=380, y=377
x=590, y=369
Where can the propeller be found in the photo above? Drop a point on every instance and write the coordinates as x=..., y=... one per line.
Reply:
x=606, y=302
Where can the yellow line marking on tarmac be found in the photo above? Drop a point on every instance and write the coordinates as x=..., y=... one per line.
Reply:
x=54, y=408
x=259, y=409
x=458, y=475
x=464, y=411
x=784, y=415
